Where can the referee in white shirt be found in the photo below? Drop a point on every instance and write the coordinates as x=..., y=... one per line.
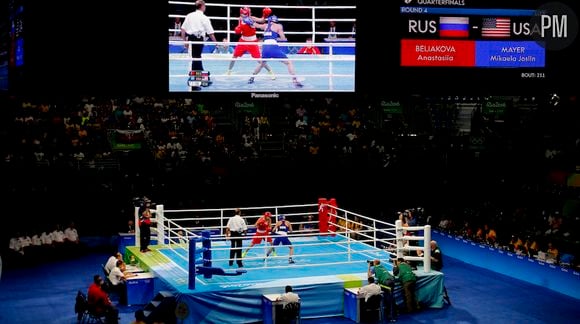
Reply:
x=195, y=27
x=235, y=229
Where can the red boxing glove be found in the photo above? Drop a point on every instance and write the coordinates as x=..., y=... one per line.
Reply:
x=266, y=12
x=238, y=29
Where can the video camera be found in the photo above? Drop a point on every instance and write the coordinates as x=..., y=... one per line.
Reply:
x=138, y=202
x=142, y=201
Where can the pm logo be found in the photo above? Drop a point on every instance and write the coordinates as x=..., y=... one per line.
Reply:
x=554, y=26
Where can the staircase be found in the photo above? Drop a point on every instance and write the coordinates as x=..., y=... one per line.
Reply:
x=162, y=309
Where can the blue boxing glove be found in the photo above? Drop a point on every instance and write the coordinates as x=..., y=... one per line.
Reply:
x=248, y=21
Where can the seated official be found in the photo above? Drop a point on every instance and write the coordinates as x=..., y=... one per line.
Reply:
x=99, y=302
x=71, y=235
x=372, y=301
x=309, y=225
x=309, y=48
x=130, y=226
x=289, y=298
x=223, y=48
x=112, y=261
x=118, y=277
x=332, y=30
x=72, y=244
x=369, y=289
x=58, y=238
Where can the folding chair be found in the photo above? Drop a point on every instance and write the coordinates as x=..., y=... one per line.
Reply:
x=291, y=312
x=372, y=312
x=84, y=312
x=105, y=272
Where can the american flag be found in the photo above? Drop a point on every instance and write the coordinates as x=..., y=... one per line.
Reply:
x=495, y=27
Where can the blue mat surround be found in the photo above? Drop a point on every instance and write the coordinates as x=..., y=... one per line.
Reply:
x=562, y=280
x=320, y=297
x=238, y=299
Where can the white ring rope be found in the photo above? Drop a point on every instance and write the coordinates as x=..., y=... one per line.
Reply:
x=234, y=7
x=175, y=235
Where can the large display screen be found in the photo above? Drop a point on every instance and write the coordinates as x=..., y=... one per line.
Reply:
x=447, y=47
x=4, y=52
x=304, y=48
x=16, y=14
x=483, y=46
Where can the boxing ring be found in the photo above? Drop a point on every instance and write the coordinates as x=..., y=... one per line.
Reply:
x=330, y=254
x=332, y=70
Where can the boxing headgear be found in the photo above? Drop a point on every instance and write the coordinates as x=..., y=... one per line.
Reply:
x=267, y=214
x=273, y=19
x=245, y=11
x=281, y=217
x=266, y=12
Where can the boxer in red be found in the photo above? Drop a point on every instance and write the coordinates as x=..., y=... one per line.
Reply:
x=247, y=32
x=263, y=227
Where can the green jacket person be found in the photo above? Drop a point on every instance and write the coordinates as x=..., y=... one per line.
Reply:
x=405, y=273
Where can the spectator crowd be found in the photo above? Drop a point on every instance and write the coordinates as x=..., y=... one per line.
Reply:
x=69, y=155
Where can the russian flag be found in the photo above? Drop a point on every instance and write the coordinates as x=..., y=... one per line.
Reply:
x=454, y=27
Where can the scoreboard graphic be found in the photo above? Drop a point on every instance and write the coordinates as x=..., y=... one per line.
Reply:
x=457, y=36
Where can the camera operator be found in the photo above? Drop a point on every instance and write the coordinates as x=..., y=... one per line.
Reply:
x=419, y=215
x=409, y=219
x=408, y=279
x=387, y=283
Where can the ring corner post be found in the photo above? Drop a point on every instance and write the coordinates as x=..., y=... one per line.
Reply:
x=323, y=216
x=191, y=266
x=159, y=217
x=399, y=237
x=332, y=216
x=137, y=228
x=427, y=249
x=206, y=246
